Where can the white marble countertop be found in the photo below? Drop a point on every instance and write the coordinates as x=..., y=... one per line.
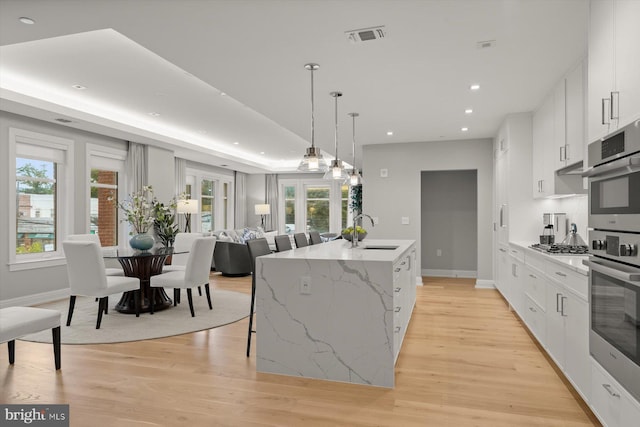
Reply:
x=573, y=262
x=341, y=250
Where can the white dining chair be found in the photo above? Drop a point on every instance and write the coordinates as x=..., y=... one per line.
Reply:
x=111, y=271
x=87, y=277
x=196, y=272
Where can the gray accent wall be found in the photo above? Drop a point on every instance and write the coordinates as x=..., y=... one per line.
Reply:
x=398, y=195
x=449, y=226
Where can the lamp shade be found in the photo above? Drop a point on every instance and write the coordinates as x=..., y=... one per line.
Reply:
x=187, y=206
x=264, y=209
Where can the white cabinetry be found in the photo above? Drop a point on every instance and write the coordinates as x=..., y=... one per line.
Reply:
x=610, y=402
x=558, y=136
x=517, y=280
x=503, y=282
x=614, y=66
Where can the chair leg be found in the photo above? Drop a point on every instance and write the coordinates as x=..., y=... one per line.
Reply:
x=12, y=351
x=106, y=305
x=253, y=300
x=72, y=304
x=200, y=290
x=138, y=302
x=101, y=303
x=206, y=288
x=153, y=298
x=55, y=333
x=176, y=296
x=190, y=302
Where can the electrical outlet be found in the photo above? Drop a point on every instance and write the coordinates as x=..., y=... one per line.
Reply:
x=376, y=220
x=384, y=173
x=305, y=285
x=405, y=220
x=438, y=252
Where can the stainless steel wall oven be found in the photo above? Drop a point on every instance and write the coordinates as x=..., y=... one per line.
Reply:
x=614, y=263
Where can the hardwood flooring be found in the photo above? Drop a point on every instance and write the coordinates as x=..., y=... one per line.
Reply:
x=466, y=361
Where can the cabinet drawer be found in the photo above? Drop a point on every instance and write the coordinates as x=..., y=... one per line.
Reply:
x=575, y=281
x=516, y=252
x=534, y=317
x=535, y=286
x=606, y=397
x=536, y=261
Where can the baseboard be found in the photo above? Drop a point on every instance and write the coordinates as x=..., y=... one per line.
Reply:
x=485, y=284
x=467, y=274
x=419, y=281
x=35, y=299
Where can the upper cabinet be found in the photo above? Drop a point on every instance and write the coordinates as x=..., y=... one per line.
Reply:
x=614, y=66
x=558, y=136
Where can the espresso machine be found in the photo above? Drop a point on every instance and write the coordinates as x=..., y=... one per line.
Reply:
x=557, y=222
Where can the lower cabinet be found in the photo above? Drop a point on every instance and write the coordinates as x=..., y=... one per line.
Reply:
x=610, y=402
x=535, y=318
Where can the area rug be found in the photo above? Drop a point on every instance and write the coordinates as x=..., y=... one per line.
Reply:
x=228, y=307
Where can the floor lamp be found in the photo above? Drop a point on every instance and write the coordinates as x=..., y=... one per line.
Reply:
x=262, y=210
x=187, y=207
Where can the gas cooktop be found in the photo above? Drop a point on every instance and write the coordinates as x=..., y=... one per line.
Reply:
x=557, y=249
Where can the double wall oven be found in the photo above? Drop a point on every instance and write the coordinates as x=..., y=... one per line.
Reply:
x=614, y=263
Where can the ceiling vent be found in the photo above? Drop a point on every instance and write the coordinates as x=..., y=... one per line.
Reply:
x=366, y=34
x=63, y=120
x=486, y=44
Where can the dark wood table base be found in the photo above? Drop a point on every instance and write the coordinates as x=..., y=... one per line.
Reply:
x=143, y=267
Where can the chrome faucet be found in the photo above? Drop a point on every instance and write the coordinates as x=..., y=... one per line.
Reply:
x=354, y=238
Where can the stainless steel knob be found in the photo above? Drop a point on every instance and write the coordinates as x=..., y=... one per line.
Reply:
x=598, y=245
x=627, y=250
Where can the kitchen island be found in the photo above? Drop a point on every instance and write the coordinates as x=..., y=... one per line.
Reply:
x=333, y=312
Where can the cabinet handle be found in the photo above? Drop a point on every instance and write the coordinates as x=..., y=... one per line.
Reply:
x=398, y=289
x=605, y=116
x=611, y=392
x=558, y=302
x=566, y=152
x=542, y=185
x=533, y=309
x=532, y=276
x=398, y=328
x=562, y=155
x=403, y=263
x=397, y=269
x=562, y=306
x=397, y=310
x=615, y=106
x=561, y=274
x=502, y=250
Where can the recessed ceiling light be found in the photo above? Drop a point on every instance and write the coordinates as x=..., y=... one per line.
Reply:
x=79, y=87
x=154, y=114
x=224, y=166
x=236, y=143
x=262, y=152
x=468, y=111
x=389, y=133
x=464, y=129
x=474, y=87
x=223, y=94
x=26, y=20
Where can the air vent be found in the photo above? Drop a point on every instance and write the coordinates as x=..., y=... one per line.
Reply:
x=366, y=34
x=486, y=44
x=63, y=120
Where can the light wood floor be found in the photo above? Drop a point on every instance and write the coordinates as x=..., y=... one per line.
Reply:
x=466, y=361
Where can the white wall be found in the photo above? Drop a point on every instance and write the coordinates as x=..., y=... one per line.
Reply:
x=255, y=196
x=161, y=173
x=398, y=195
x=24, y=286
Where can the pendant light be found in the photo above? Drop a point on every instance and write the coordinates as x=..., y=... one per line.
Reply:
x=312, y=160
x=336, y=170
x=354, y=177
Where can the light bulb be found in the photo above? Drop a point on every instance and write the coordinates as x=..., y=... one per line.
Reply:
x=314, y=163
x=337, y=172
x=354, y=179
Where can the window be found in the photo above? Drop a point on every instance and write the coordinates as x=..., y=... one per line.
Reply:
x=318, y=212
x=106, y=175
x=312, y=205
x=290, y=209
x=207, y=199
x=216, y=202
x=41, y=198
x=346, y=215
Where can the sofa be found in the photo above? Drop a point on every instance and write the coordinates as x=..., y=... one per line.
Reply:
x=231, y=254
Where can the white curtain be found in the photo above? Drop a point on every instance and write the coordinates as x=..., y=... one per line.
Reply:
x=136, y=166
x=271, y=198
x=241, y=200
x=181, y=186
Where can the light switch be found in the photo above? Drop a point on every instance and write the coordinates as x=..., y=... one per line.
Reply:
x=384, y=173
x=405, y=220
x=376, y=220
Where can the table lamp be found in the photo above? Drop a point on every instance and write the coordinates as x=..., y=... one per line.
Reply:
x=187, y=207
x=262, y=210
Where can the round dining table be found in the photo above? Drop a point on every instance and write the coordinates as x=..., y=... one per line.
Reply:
x=143, y=265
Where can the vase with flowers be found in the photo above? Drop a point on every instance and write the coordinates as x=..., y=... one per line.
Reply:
x=138, y=210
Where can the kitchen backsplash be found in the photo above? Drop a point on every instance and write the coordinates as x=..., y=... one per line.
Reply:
x=575, y=207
